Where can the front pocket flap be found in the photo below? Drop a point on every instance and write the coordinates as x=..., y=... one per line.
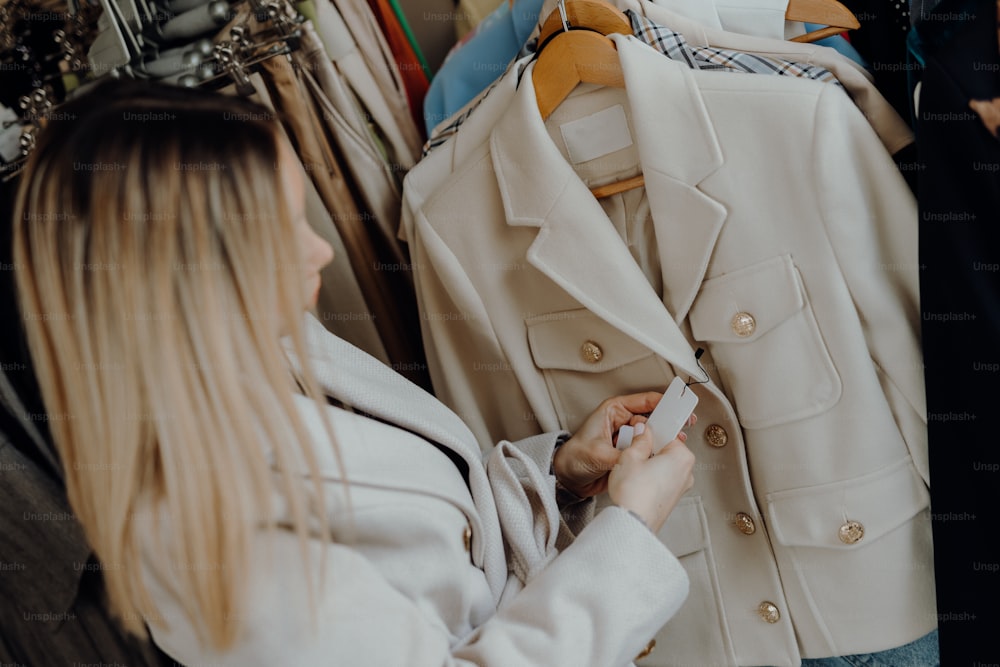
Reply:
x=879, y=502
x=579, y=340
x=770, y=292
x=684, y=531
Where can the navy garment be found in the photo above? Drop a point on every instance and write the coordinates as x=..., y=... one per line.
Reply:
x=881, y=41
x=959, y=201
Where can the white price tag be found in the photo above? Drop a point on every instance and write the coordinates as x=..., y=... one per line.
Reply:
x=671, y=413
x=625, y=435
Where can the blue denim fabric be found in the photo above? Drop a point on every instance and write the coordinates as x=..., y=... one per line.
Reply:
x=921, y=653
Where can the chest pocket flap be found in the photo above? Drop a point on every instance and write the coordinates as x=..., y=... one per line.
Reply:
x=579, y=340
x=764, y=338
x=768, y=292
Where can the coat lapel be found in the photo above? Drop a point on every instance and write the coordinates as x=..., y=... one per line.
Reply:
x=366, y=384
x=678, y=149
x=577, y=246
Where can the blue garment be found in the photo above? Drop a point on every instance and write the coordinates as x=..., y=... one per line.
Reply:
x=472, y=67
x=838, y=43
x=920, y=653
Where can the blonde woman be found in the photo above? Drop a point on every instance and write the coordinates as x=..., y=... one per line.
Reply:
x=259, y=491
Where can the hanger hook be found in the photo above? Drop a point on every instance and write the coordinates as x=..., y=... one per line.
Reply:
x=562, y=15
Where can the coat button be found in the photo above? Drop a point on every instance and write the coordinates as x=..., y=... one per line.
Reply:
x=743, y=324
x=769, y=612
x=716, y=435
x=467, y=538
x=592, y=352
x=745, y=524
x=646, y=651
x=851, y=532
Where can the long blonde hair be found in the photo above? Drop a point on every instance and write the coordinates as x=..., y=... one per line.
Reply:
x=154, y=253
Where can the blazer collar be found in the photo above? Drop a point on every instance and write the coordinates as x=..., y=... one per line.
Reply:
x=576, y=245
x=365, y=383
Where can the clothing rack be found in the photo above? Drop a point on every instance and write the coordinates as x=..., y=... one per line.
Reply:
x=61, y=49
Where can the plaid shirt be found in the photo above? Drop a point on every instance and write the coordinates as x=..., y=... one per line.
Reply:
x=673, y=45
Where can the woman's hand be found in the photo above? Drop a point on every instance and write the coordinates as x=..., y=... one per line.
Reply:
x=582, y=464
x=651, y=486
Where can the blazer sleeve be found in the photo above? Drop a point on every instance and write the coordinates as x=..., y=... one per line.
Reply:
x=596, y=604
x=576, y=512
x=871, y=220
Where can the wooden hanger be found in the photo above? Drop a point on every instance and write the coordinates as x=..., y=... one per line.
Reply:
x=824, y=12
x=606, y=19
x=573, y=57
x=596, y=15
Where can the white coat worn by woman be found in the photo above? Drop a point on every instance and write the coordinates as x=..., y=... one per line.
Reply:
x=259, y=491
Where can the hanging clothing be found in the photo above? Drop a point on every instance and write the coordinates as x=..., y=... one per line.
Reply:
x=412, y=67
x=376, y=180
x=352, y=195
x=673, y=45
x=471, y=14
x=390, y=110
x=479, y=59
x=341, y=304
x=839, y=43
x=894, y=132
x=881, y=41
x=384, y=282
x=759, y=18
x=775, y=233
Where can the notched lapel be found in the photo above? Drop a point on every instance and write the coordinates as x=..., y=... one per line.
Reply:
x=679, y=149
x=687, y=223
x=365, y=383
x=577, y=247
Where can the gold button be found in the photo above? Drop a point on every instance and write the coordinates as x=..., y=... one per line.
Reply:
x=592, y=352
x=745, y=524
x=769, y=612
x=743, y=324
x=851, y=532
x=716, y=435
x=646, y=651
x=467, y=538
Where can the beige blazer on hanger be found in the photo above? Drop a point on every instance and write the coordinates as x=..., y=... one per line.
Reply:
x=787, y=249
x=417, y=568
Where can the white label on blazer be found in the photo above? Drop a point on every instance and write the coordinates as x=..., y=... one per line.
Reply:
x=596, y=135
x=671, y=413
x=625, y=435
